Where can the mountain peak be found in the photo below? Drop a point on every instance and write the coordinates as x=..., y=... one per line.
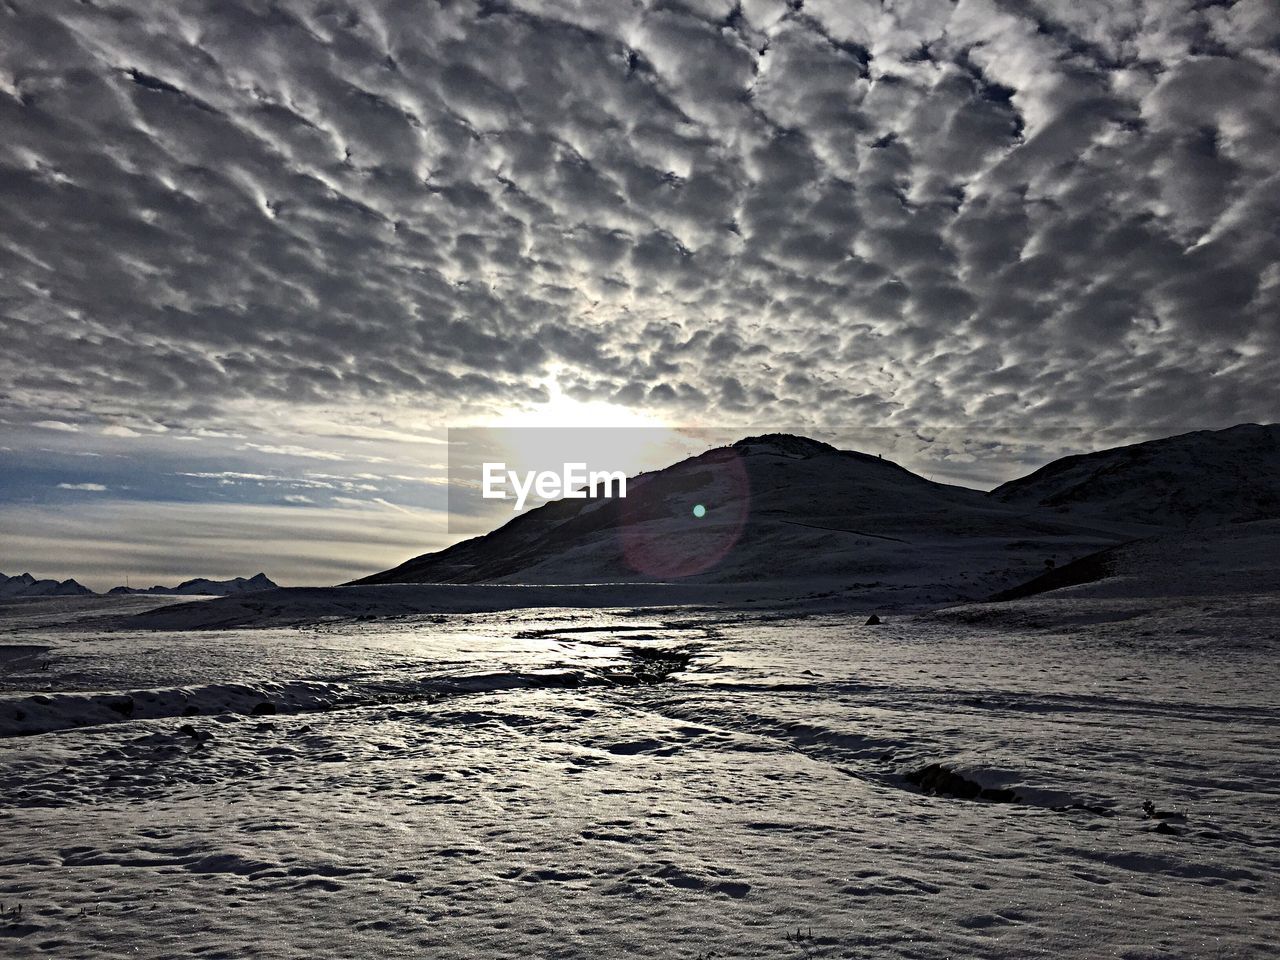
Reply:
x=784, y=444
x=769, y=507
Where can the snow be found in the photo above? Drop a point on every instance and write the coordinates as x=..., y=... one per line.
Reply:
x=574, y=759
x=666, y=780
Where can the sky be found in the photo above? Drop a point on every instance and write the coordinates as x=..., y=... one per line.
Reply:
x=256, y=258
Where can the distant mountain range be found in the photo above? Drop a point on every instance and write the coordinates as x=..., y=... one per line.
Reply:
x=783, y=507
x=200, y=587
x=25, y=585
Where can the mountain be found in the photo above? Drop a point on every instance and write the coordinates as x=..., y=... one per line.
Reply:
x=776, y=508
x=1197, y=479
x=25, y=585
x=200, y=587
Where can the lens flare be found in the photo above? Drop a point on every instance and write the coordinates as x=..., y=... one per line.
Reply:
x=657, y=538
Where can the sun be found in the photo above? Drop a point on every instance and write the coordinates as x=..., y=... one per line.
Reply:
x=563, y=410
x=604, y=435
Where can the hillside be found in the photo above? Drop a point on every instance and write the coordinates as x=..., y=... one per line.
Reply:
x=777, y=507
x=1196, y=479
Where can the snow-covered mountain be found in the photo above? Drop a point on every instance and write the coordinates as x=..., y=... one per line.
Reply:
x=1197, y=479
x=776, y=507
x=201, y=587
x=25, y=585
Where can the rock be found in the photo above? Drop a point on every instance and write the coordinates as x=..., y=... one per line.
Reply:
x=263, y=709
x=938, y=781
x=1151, y=813
x=872, y=621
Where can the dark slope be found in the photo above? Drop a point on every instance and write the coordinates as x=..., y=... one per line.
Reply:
x=1197, y=479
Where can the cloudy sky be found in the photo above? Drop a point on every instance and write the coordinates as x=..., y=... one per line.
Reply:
x=256, y=255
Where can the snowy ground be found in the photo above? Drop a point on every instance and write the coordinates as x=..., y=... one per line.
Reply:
x=645, y=783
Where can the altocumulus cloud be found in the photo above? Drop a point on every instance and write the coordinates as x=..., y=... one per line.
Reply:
x=931, y=215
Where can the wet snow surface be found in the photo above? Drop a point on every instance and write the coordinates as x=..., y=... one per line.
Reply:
x=645, y=783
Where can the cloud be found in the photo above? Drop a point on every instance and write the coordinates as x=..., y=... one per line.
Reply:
x=88, y=487
x=219, y=218
x=293, y=450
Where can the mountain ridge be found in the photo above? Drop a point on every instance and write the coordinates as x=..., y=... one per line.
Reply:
x=808, y=510
x=25, y=585
x=773, y=507
x=1199, y=478
x=202, y=586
